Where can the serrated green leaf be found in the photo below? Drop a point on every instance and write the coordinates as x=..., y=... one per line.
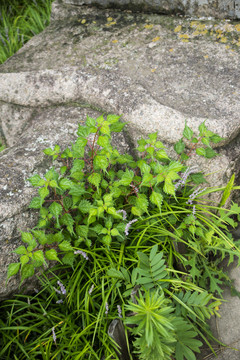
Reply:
x=84, y=206
x=106, y=240
x=24, y=259
x=216, y=138
x=21, y=250
x=48, y=151
x=65, y=246
x=90, y=121
x=36, y=180
x=40, y=236
x=187, y=132
x=103, y=141
x=126, y=178
x=67, y=202
x=65, y=184
x=95, y=179
x=201, y=151
x=55, y=209
x=205, y=141
x=156, y=199
x=117, y=127
x=82, y=230
x=43, y=192
x=210, y=153
x=142, y=202
x=66, y=154
x=51, y=174
x=115, y=232
x=136, y=211
x=202, y=129
x=77, y=190
x=100, y=162
x=26, y=237
x=168, y=187
x=13, y=269
x=161, y=154
x=52, y=255
x=67, y=220
x=179, y=146
x=36, y=203
x=68, y=258
x=39, y=256
x=105, y=128
x=27, y=271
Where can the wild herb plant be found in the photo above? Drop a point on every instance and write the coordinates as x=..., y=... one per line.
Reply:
x=134, y=239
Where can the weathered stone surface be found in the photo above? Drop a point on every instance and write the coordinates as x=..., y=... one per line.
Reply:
x=95, y=61
x=220, y=8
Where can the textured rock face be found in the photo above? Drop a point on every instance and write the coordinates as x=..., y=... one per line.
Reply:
x=157, y=71
x=220, y=8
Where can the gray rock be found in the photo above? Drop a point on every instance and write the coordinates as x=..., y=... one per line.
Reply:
x=220, y=8
x=90, y=61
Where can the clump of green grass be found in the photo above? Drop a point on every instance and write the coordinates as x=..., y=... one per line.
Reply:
x=19, y=21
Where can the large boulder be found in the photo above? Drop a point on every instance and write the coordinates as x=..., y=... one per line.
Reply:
x=219, y=8
x=157, y=71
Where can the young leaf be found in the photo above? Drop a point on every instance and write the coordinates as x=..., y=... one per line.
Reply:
x=43, y=192
x=187, y=132
x=65, y=246
x=100, y=162
x=24, y=259
x=156, y=199
x=27, y=271
x=55, y=209
x=38, y=255
x=68, y=258
x=26, y=237
x=36, y=180
x=21, y=250
x=13, y=269
x=179, y=146
x=36, y=203
x=52, y=255
x=95, y=179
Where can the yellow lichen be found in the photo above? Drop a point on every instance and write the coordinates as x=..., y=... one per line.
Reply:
x=194, y=23
x=237, y=27
x=185, y=40
x=148, y=26
x=196, y=33
x=83, y=21
x=184, y=36
x=223, y=40
x=201, y=27
x=178, y=28
x=171, y=50
x=206, y=56
x=109, y=19
x=153, y=70
x=114, y=41
x=156, y=38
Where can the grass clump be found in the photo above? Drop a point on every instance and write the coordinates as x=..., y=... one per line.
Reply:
x=20, y=21
x=137, y=243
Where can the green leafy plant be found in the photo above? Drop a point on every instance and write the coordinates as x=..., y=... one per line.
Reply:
x=123, y=226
